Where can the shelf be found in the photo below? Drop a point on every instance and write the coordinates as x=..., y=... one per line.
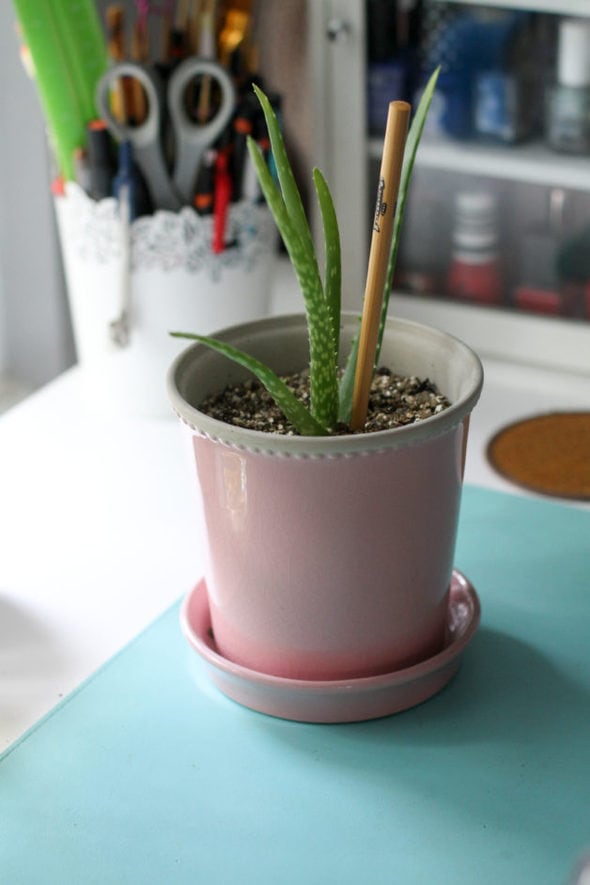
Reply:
x=547, y=342
x=559, y=7
x=502, y=334
x=530, y=163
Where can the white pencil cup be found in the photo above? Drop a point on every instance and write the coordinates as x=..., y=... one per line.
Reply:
x=163, y=272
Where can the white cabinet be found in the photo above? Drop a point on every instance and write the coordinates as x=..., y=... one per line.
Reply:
x=349, y=157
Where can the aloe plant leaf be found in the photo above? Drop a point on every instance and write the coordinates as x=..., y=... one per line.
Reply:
x=322, y=311
x=304, y=263
x=347, y=382
x=289, y=188
x=322, y=356
x=333, y=270
x=412, y=143
x=293, y=408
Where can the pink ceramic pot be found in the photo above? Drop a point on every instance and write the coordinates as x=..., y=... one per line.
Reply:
x=329, y=557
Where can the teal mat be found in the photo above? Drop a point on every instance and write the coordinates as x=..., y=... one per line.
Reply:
x=148, y=775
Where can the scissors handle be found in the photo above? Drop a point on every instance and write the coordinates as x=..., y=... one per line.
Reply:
x=146, y=136
x=192, y=138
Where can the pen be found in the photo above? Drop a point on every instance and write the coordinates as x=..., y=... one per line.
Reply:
x=124, y=181
x=129, y=175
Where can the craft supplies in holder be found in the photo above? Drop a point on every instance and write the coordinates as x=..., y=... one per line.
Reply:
x=162, y=227
x=129, y=285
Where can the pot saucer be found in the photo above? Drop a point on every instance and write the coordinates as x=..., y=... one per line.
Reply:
x=346, y=700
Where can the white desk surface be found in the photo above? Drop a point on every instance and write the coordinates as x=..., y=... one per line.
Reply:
x=98, y=528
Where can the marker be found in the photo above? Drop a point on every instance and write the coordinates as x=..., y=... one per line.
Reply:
x=223, y=189
x=100, y=164
x=205, y=189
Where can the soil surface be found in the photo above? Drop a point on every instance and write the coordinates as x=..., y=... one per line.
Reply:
x=394, y=401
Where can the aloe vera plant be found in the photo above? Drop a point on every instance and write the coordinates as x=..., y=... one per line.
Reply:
x=330, y=399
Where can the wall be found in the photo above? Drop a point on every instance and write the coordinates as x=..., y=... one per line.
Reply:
x=34, y=327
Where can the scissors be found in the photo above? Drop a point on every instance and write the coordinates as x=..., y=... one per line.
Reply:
x=191, y=139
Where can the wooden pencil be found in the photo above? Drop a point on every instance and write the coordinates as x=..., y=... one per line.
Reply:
x=389, y=180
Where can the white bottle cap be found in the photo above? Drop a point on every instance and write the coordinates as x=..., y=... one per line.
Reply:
x=475, y=204
x=475, y=222
x=573, y=60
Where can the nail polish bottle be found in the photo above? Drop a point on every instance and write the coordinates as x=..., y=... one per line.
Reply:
x=474, y=273
x=568, y=107
x=540, y=289
x=508, y=97
x=474, y=40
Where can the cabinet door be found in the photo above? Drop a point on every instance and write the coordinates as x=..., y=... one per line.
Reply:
x=340, y=149
x=349, y=158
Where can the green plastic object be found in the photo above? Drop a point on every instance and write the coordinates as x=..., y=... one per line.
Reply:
x=69, y=54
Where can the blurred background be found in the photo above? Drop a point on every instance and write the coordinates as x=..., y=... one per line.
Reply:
x=497, y=233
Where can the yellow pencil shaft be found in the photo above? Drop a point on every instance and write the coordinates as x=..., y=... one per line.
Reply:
x=387, y=192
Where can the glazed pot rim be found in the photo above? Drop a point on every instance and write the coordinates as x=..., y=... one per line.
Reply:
x=320, y=446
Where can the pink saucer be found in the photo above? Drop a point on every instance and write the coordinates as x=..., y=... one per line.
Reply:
x=350, y=700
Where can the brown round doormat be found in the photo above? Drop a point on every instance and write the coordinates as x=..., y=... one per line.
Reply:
x=549, y=454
